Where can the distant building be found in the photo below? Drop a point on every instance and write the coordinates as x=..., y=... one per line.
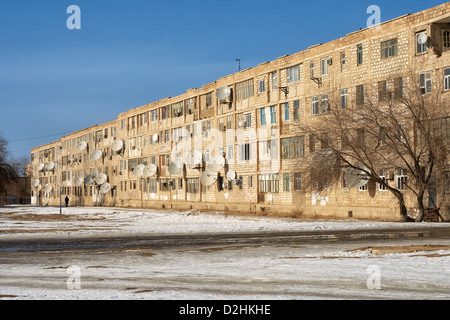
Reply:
x=252, y=126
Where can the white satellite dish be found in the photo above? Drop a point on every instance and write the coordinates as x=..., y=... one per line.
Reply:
x=231, y=175
x=96, y=154
x=81, y=145
x=48, y=188
x=223, y=93
x=422, y=38
x=117, y=145
x=89, y=179
x=50, y=166
x=175, y=167
x=40, y=166
x=79, y=180
x=105, y=188
x=139, y=170
x=155, y=137
x=149, y=170
x=356, y=178
x=101, y=179
x=241, y=123
x=35, y=183
x=193, y=158
x=208, y=178
x=216, y=163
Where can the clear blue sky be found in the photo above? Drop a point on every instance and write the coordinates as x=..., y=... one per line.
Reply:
x=129, y=53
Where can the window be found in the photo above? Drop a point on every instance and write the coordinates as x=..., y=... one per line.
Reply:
x=324, y=103
x=248, y=121
x=311, y=68
x=190, y=105
x=420, y=43
x=274, y=80
x=382, y=91
x=164, y=185
x=293, y=147
x=401, y=178
x=447, y=79
x=244, y=152
x=297, y=181
x=293, y=74
x=229, y=122
x=296, y=109
x=208, y=99
x=273, y=115
x=315, y=105
x=286, y=182
x=359, y=54
x=324, y=63
x=152, y=185
x=360, y=95
x=398, y=88
x=343, y=61
x=268, y=183
x=344, y=98
x=286, y=111
x=244, y=90
x=262, y=116
x=425, y=82
x=389, y=48
x=261, y=86
x=192, y=185
x=446, y=39
x=382, y=174
x=177, y=109
x=363, y=187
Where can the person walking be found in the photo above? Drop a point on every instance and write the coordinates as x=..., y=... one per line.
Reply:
x=67, y=201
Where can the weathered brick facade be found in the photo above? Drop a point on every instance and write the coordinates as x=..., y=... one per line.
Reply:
x=239, y=130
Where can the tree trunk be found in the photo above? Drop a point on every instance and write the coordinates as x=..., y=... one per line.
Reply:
x=402, y=207
x=421, y=213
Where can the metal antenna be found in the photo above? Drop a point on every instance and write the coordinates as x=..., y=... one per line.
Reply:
x=239, y=60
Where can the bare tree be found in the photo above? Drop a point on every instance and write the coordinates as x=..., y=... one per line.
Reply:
x=399, y=132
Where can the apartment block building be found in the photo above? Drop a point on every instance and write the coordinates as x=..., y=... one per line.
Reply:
x=243, y=131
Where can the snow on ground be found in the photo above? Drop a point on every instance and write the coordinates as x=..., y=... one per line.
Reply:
x=33, y=221
x=304, y=271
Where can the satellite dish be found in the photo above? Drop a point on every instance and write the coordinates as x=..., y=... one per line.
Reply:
x=223, y=93
x=149, y=170
x=356, y=178
x=155, y=137
x=79, y=180
x=89, y=179
x=175, y=167
x=50, y=166
x=139, y=170
x=193, y=158
x=422, y=38
x=96, y=154
x=241, y=123
x=208, y=178
x=101, y=179
x=105, y=188
x=40, y=166
x=231, y=175
x=35, y=183
x=216, y=163
x=48, y=188
x=117, y=145
x=81, y=145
